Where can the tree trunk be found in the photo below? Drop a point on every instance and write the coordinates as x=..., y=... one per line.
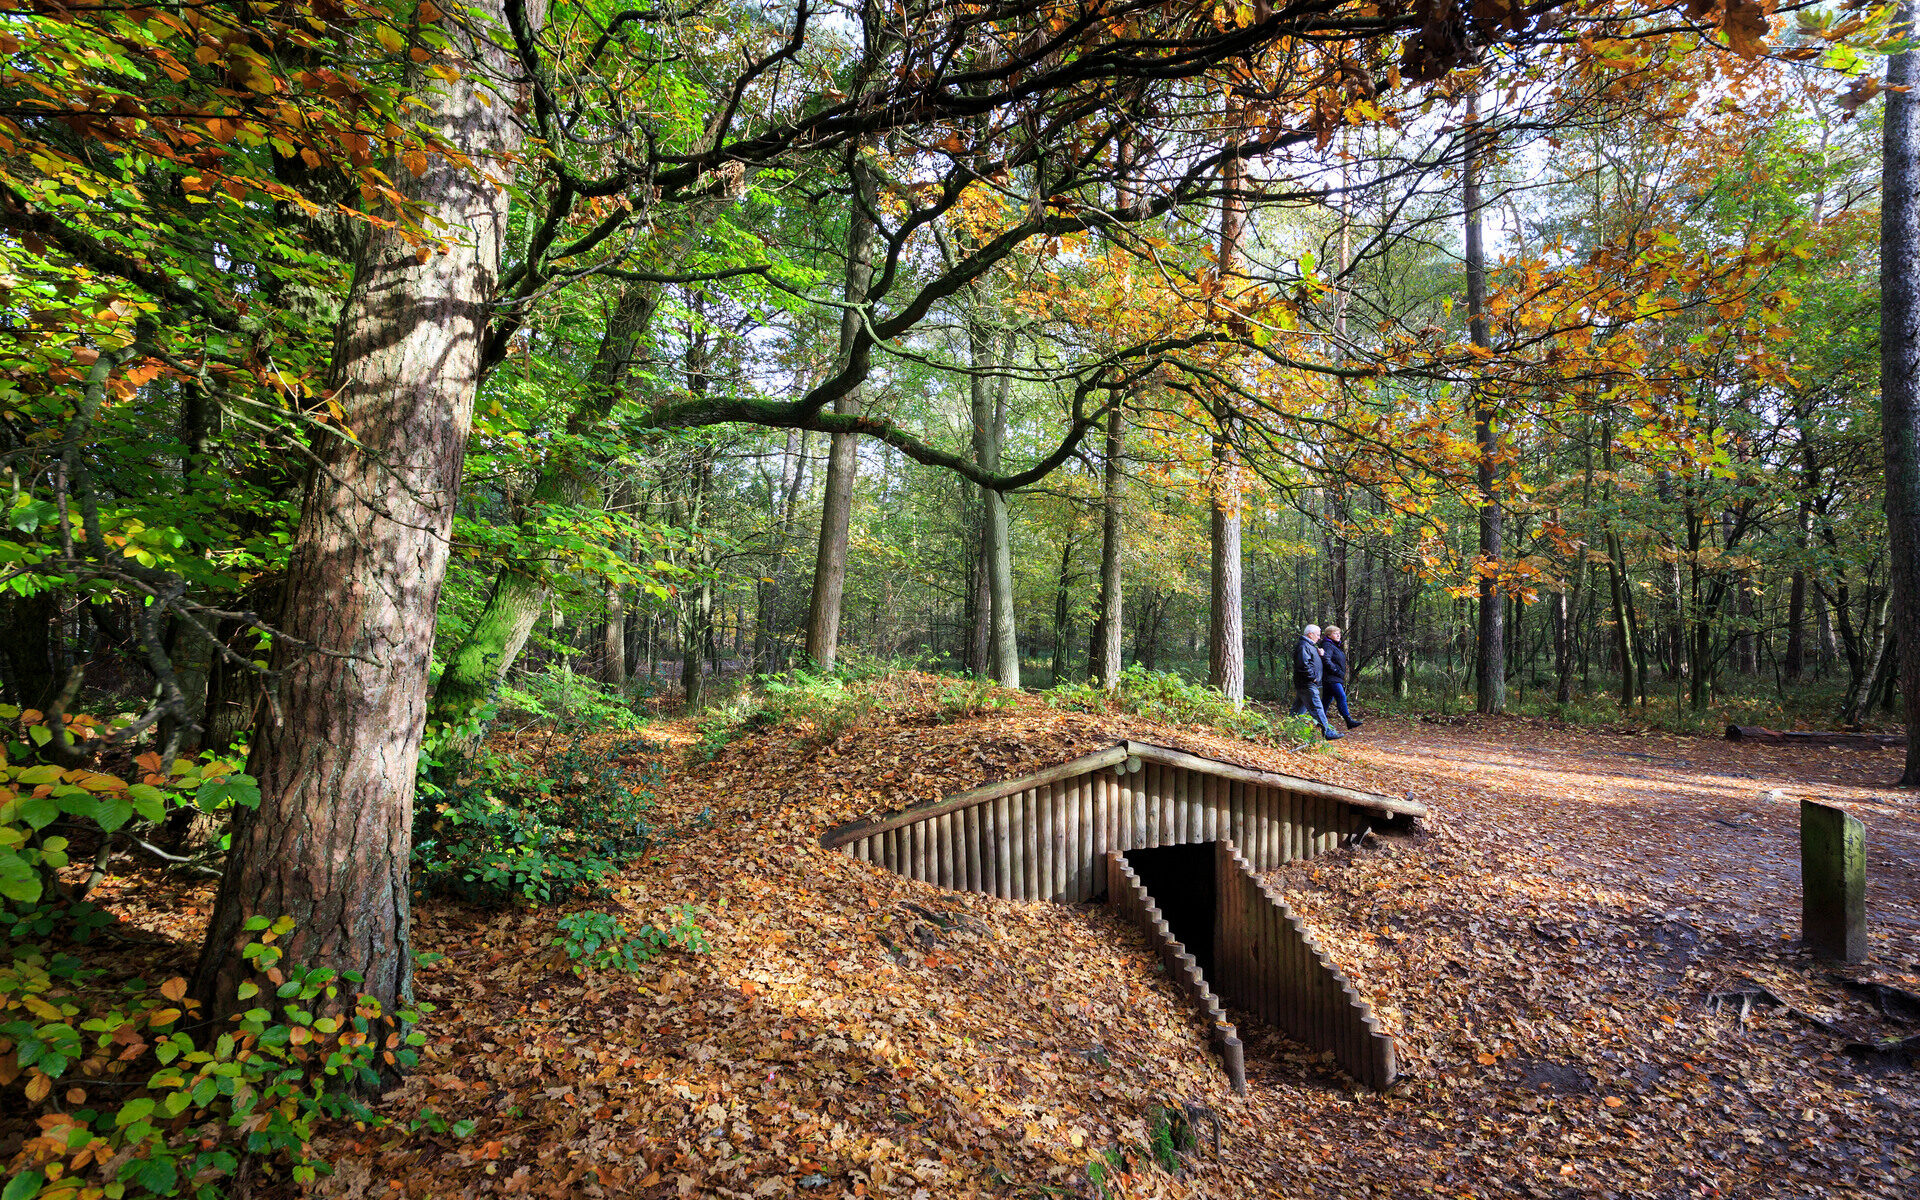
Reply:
x=1490, y=679
x=1062, y=598
x=989, y=396
x=1226, y=635
x=480, y=659
x=836, y=511
x=329, y=843
x=1103, y=651
x=1900, y=370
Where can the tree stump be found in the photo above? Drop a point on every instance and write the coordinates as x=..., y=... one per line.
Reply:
x=1833, y=882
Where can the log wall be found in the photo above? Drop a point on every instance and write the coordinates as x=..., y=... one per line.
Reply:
x=1267, y=964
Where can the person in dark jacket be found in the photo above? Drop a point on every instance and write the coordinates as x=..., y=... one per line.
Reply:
x=1333, y=675
x=1307, y=672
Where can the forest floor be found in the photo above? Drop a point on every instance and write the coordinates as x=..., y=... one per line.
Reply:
x=1545, y=946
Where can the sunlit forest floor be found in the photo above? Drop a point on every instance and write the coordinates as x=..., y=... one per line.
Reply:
x=1545, y=946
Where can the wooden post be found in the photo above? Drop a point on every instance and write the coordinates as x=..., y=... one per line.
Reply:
x=1833, y=882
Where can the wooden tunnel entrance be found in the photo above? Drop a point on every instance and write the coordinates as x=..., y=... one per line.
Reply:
x=1176, y=843
x=1181, y=881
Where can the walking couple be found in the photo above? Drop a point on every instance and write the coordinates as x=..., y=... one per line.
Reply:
x=1320, y=678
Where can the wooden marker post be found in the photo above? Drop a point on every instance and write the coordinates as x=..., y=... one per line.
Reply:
x=1833, y=882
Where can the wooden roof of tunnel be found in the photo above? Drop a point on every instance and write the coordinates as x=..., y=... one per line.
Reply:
x=1063, y=834
x=1129, y=796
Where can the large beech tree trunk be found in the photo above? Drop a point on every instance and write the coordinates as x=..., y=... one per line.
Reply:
x=836, y=511
x=1900, y=371
x=335, y=758
x=989, y=400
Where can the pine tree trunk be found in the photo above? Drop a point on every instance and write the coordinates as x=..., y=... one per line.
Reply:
x=836, y=511
x=1226, y=634
x=1900, y=369
x=330, y=841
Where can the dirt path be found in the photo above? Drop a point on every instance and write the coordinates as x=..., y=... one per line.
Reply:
x=1706, y=827
x=1547, y=948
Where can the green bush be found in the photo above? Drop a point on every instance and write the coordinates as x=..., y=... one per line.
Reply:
x=43, y=804
x=600, y=941
x=965, y=698
x=570, y=700
x=494, y=835
x=1168, y=698
x=132, y=1098
x=819, y=707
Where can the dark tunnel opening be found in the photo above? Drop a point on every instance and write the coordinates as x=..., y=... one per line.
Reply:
x=1181, y=881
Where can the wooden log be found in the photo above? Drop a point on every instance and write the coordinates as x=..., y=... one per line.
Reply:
x=970, y=822
x=998, y=843
x=1103, y=786
x=1180, y=758
x=1036, y=848
x=1183, y=782
x=1017, y=846
x=1807, y=737
x=1270, y=804
x=1062, y=819
x=1142, y=811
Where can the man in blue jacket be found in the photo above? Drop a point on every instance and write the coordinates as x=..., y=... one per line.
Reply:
x=1307, y=671
x=1333, y=675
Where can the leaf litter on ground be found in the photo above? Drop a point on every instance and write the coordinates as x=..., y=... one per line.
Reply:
x=1544, y=946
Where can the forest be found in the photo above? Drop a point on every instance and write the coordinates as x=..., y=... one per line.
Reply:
x=443, y=440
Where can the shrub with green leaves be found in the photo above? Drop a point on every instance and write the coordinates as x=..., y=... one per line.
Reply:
x=132, y=1098
x=594, y=940
x=1170, y=699
x=44, y=805
x=498, y=835
x=569, y=699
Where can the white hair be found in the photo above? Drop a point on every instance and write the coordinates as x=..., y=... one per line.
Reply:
x=1311, y=630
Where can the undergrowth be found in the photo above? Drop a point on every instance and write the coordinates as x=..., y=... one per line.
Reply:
x=496, y=833
x=599, y=941
x=1170, y=699
x=133, y=1095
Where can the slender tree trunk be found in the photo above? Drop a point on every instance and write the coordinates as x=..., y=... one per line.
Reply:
x=330, y=841
x=1900, y=370
x=1103, y=652
x=1490, y=680
x=836, y=512
x=1226, y=636
x=1062, y=600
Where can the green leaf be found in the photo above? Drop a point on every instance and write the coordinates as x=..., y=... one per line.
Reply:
x=18, y=881
x=37, y=811
x=114, y=811
x=234, y=789
x=23, y=1185
x=149, y=801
